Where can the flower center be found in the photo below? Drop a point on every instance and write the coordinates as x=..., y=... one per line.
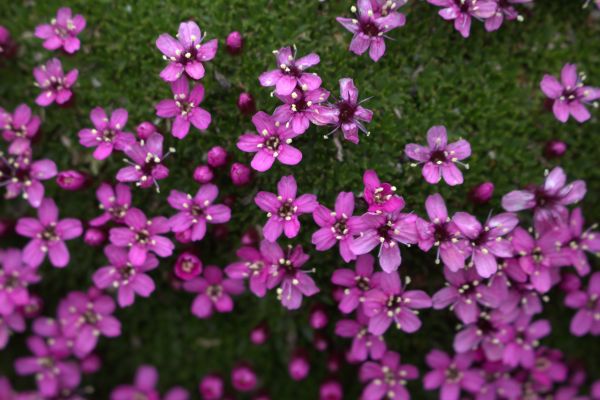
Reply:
x=340, y=228
x=287, y=210
x=438, y=156
x=346, y=111
x=214, y=291
x=453, y=374
x=273, y=143
x=127, y=272
x=363, y=283
x=142, y=237
x=90, y=317
x=49, y=234
x=369, y=28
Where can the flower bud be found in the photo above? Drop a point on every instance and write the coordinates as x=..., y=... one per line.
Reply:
x=318, y=318
x=203, y=174
x=259, y=334
x=250, y=237
x=145, y=129
x=331, y=390
x=569, y=282
x=5, y=227
x=334, y=363
x=91, y=364
x=217, y=157
x=246, y=104
x=555, y=149
x=187, y=266
x=243, y=378
x=240, y=174
x=211, y=387
x=482, y=193
x=94, y=237
x=234, y=43
x=320, y=341
x=71, y=180
x=184, y=236
x=298, y=366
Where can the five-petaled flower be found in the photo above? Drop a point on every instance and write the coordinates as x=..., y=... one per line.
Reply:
x=107, y=134
x=146, y=166
x=291, y=73
x=62, y=31
x=54, y=84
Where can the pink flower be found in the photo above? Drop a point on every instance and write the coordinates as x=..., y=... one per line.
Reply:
x=188, y=266
x=386, y=231
x=145, y=129
x=94, y=237
x=211, y=387
x=55, y=85
x=331, y=390
x=243, y=378
x=387, y=378
x=15, y=277
x=371, y=26
x=107, y=134
x=299, y=366
x=246, y=103
x=451, y=375
x=214, y=292
x=240, y=174
x=380, y=196
x=285, y=272
x=505, y=10
x=10, y=324
x=146, y=166
x=114, y=202
x=142, y=236
x=365, y=345
x=336, y=226
x=461, y=11
x=301, y=108
x=48, y=235
x=85, y=317
x=71, y=180
x=19, y=129
x=195, y=212
x=570, y=95
x=203, y=174
x=389, y=302
x=555, y=148
x=524, y=338
x=284, y=208
x=144, y=386
x=439, y=157
x=291, y=72
x=253, y=264
x=216, y=157
x=23, y=177
x=482, y=193
x=126, y=278
x=234, y=42
x=486, y=242
x=184, y=108
x=356, y=283
x=273, y=142
x=549, y=200
x=186, y=53
x=587, y=319
x=62, y=31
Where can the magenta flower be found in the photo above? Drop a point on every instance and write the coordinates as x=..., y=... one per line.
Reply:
x=487, y=242
x=273, y=142
x=107, y=134
x=442, y=233
x=337, y=226
x=142, y=236
x=365, y=345
x=10, y=324
x=380, y=196
x=186, y=53
x=62, y=31
x=146, y=166
x=549, y=200
x=452, y=375
x=53, y=374
x=195, y=212
x=214, y=292
x=115, y=202
x=252, y=265
x=347, y=114
x=386, y=231
x=285, y=272
x=439, y=157
x=234, y=43
x=184, y=108
x=488, y=333
x=55, y=85
x=85, y=317
x=128, y=280
x=524, y=338
x=284, y=208
x=146, y=378
x=291, y=72
x=465, y=293
x=19, y=129
x=301, y=108
x=587, y=318
x=20, y=176
x=15, y=277
x=187, y=266
x=570, y=95
x=356, y=283
x=505, y=10
x=243, y=378
x=462, y=11
x=7, y=46
x=48, y=235
x=71, y=180
x=387, y=378
x=371, y=26
x=389, y=302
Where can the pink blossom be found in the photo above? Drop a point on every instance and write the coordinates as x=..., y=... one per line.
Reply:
x=71, y=180
x=365, y=345
x=107, y=134
x=301, y=108
x=10, y=324
x=62, y=31
x=145, y=129
x=15, y=277
x=291, y=72
x=146, y=165
x=462, y=11
x=505, y=10
x=452, y=375
x=19, y=128
x=524, y=338
x=203, y=174
x=284, y=208
x=488, y=333
x=144, y=386
x=48, y=235
x=482, y=193
x=115, y=202
x=184, y=108
x=555, y=148
x=240, y=174
x=20, y=176
x=331, y=390
x=216, y=157
x=246, y=103
x=54, y=84
x=243, y=378
x=211, y=387
x=234, y=42
x=214, y=292
x=186, y=53
x=188, y=266
x=94, y=237
x=387, y=378
x=273, y=142
x=585, y=301
x=299, y=366
x=253, y=265
x=355, y=283
x=379, y=196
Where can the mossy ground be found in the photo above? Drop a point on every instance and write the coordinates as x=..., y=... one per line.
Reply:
x=485, y=89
